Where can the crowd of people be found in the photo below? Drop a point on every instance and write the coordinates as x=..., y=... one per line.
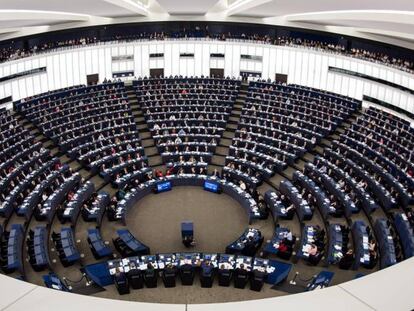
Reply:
x=12, y=52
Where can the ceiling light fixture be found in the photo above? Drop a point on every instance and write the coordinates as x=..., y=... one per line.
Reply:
x=137, y=6
x=237, y=6
x=231, y=4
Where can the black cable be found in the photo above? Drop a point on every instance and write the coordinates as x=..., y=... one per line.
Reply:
x=73, y=282
x=306, y=280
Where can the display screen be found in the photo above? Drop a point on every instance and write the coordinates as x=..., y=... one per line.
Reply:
x=164, y=186
x=211, y=186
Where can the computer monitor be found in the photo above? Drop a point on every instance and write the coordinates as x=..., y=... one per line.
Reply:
x=164, y=186
x=211, y=186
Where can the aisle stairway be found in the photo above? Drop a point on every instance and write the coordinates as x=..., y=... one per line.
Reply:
x=225, y=142
x=150, y=150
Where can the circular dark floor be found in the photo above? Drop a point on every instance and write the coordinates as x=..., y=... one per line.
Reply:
x=218, y=220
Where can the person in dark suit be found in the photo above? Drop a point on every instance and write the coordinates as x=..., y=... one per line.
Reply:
x=121, y=282
x=188, y=241
x=249, y=247
x=135, y=277
x=150, y=276
x=169, y=274
x=170, y=269
x=216, y=173
x=241, y=276
x=225, y=275
x=187, y=273
x=257, y=279
x=347, y=260
x=207, y=274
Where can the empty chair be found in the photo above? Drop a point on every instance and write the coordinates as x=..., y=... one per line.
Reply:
x=128, y=245
x=97, y=245
x=66, y=247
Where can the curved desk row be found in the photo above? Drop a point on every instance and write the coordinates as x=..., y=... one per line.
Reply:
x=324, y=204
x=32, y=104
x=138, y=270
x=276, y=207
x=73, y=208
x=97, y=245
x=128, y=245
x=26, y=185
x=37, y=247
x=13, y=244
x=385, y=242
x=35, y=197
x=405, y=231
x=66, y=246
x=362, y=239
x=303, y=209
x=368, y=203
x=333, y=187
x=247, y=244
x=48, y=210
x=244, y=198
x=96, y=211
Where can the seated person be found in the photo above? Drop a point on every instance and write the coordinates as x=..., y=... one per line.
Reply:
x=187, y=273
x=158, y=174
x=249, y=247
x=242, y=185
x=285, y=247
x=290, y=211
x=188, y=241
x=372, y=247
x=111, y=209
x=150, y=277
x=241, y=276
x=314, y=254
x=215, y=173
x=347, y=260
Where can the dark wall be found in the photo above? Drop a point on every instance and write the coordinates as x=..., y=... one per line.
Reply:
x=214, y=29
